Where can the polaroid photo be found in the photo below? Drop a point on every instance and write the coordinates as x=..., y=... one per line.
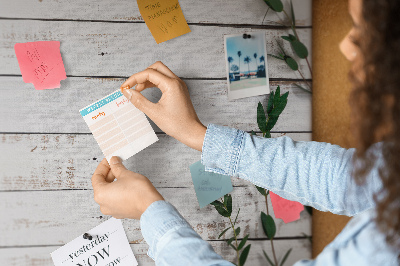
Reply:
x=246, y=64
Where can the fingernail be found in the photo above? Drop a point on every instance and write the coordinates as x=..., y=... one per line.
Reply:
x=115, y=160
x=124, y=88
x=128, y=93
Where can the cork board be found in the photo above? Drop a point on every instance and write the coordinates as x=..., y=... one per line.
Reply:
x=331, y=89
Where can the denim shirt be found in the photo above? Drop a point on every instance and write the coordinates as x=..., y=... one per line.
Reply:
x=312, y=173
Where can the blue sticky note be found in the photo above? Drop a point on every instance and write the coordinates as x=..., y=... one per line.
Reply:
x=209, y=186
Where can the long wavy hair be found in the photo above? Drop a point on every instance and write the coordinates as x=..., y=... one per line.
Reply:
x=375, y=102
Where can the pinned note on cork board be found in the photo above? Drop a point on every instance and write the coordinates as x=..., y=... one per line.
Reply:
x=164, y=18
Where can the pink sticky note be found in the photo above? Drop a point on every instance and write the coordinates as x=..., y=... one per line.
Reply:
x=41, y=64
x=284, y=209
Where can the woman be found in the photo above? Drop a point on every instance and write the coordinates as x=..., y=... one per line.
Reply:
x=317, y=174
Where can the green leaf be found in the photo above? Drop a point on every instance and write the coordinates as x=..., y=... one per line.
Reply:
x=270, y=102
x=268, y=259
x=267, y=135
x=253, y=133
x=220, y=208
x=236, y=217
x=261, y=190
x=277, y=97
x=229, y=241
x=299, y=48
x=243, y=256
x=237, y=231
x=217, y=203
x=268, y=225
x=230, y=244
x=291, y=63
x=277, y=57
x=228, y=203
x=267, y=192
x=223, y=232
x=285, y=257
x=292, y=11
x=243, y=242
x=292, y=38
x=271, y=122
x=286, y=38
x=261, y=119
x=284, y=96
x=275, y=5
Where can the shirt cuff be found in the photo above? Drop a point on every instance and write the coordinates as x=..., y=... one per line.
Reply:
x=221, y=151
x=158, y=219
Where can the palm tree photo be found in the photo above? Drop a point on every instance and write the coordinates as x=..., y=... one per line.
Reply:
x=239, y=55
x=247, y=60
x=255, y=60
x=230, y=60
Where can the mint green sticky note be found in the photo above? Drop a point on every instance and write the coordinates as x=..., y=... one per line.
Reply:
x=209, y=186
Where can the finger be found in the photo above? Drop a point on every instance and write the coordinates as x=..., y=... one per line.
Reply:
x=110, y=177
x=142, y=86
x=117, y=167
x=160, y=67
x=140, y=102
x=100, y=174
x=157, y=78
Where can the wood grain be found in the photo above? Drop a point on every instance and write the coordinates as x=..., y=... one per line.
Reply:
x=331, y=109
x=61, y=161
x=204, y=12
x=58, y=110
x=120, y=49
x=59, y=215
x=35, y=256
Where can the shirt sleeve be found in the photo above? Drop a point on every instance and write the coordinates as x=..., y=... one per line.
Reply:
x=171, y=239
x=316, y=174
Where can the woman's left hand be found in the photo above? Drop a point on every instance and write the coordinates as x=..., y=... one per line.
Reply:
x=127, y=197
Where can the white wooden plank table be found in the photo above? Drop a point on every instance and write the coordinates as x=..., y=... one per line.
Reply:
x=48, y=154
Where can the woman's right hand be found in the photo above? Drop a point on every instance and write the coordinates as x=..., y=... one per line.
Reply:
x=174, y=112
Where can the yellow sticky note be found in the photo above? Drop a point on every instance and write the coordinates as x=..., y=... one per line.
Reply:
x=164, y=18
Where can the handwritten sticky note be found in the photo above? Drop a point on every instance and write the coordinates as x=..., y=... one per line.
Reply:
x=164, y=18
x=41, y=64
x=109, y=246
x=284, y=209
x=209, y=186
x=118, y=126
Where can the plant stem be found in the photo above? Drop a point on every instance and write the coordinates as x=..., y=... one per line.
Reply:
x=272, y=242
x=234, y=232
x=305, y=80
x=297, y=36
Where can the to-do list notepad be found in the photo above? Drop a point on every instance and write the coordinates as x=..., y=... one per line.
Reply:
x=118, y=126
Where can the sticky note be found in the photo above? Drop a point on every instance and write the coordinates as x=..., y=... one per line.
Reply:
x=41, y=64
x=284, y=209
x=118, y=126
x=164, y=18
x=108, y=246
x=209, y=186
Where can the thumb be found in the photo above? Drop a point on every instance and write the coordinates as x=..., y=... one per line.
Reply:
x=117, y=167
x=138, y=100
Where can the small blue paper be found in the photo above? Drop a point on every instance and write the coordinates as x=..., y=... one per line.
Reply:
x=209, y=186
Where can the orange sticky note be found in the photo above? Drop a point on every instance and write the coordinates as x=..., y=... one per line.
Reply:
x=164, y=18
x=41, y=64
x=284, y=209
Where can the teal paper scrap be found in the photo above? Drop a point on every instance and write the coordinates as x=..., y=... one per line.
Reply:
x=209, y=186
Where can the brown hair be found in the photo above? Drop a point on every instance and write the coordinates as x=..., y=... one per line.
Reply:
x=375, y=103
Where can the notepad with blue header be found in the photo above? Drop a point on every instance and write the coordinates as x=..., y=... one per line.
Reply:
x=118, y=126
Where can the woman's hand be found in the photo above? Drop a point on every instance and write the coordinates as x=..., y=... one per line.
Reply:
x=127, y=197
x=174, y=112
